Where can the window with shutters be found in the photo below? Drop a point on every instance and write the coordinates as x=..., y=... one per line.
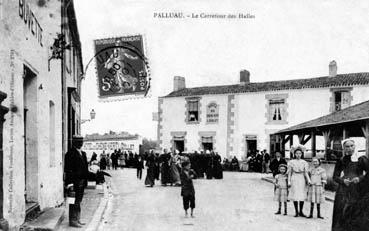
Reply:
x=193, y=110
x=341, y=98
x=276, y=109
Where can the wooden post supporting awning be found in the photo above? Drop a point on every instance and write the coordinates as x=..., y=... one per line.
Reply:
x=365, y=129
x=350, y=121
x=326, y=135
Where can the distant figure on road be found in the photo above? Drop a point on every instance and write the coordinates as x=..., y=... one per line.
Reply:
x=266, y=161
x=150, y=176
x=103, y=162
x=166, y=177
x=139, y=167
x=234, y=164
x=187, y=190
x=174, y=169
x=114, y=160
x=76, y=172
x=218, y=170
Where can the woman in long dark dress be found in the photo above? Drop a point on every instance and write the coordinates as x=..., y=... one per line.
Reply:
x=150, y=176
x=218, y=170
x=348, y=209
x=165, y=169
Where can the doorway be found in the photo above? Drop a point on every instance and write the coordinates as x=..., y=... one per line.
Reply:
x=207, y=146
x=207, y=143
x=251, y=146
x=179, y=145
x=30, y=136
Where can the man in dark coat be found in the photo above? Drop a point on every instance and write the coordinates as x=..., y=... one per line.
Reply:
x=114, y=160
x=76, y=172
x=274, y=165
x=139, y=166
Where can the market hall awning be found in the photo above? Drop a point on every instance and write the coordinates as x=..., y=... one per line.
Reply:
x=352, y=121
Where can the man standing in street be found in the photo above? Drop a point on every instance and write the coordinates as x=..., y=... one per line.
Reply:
x=76, y=173
x=274, y=165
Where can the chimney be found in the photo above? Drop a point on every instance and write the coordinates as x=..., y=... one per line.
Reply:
x=332, y=69
x=244, y=77
x=179, y=83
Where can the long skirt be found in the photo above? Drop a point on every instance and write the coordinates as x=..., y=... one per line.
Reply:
x=175, y=174
x=344, y=208
x=166, y=177
x=316, y=194
x=297, y=191
x=150, y=177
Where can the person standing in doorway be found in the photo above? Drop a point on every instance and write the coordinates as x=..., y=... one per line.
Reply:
x=76, y=171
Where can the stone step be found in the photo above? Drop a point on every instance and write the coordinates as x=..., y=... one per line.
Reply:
x=49, y=219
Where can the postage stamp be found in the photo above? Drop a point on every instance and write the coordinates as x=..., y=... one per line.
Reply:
x=121, y=67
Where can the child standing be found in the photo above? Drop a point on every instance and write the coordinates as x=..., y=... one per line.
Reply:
x=281, y=188
x=187, y=190
x=318, y=178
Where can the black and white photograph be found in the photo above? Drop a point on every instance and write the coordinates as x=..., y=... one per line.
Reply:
x=188, y=115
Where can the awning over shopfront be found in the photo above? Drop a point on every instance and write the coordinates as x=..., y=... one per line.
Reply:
x=352, y=121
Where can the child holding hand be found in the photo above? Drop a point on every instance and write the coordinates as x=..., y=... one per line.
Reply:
x=318, y=178
x=281, y=188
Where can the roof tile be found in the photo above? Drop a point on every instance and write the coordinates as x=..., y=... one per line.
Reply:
x=318, y=82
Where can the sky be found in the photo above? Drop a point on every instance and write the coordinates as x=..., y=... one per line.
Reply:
x=286, y=39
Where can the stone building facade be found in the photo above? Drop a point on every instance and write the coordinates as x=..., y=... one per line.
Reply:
x=111, y=141
x=33, y=80
x=236, y=119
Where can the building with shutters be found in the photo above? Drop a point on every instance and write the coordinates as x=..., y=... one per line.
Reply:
x=241, y=118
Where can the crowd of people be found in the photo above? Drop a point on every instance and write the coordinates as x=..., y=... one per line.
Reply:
x=116, y=159
x=167, y=166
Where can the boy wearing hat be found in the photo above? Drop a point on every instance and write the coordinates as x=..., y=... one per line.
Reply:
x=187, y=190
x=76, y=173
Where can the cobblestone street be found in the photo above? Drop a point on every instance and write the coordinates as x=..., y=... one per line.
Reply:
x=241, y=201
